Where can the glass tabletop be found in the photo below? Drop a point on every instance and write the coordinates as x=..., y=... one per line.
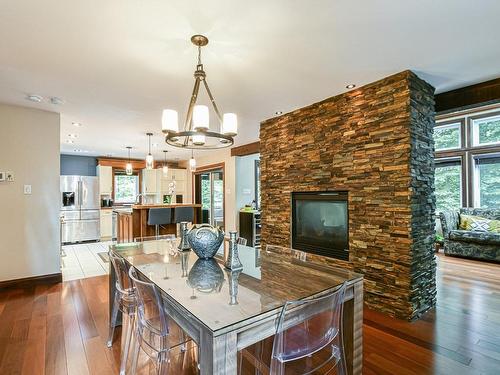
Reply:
x=222, y=298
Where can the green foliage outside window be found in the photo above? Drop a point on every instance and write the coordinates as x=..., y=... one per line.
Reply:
x=489, y=131
x=447, y=187
x=126, y=188
x=489, y=185
x=447, y=137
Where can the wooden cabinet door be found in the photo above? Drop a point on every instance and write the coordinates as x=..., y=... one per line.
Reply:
x=105, y=174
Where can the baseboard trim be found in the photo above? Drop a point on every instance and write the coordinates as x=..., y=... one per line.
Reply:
x=53, y=278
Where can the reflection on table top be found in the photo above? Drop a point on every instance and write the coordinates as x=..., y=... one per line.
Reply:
x=220, y=298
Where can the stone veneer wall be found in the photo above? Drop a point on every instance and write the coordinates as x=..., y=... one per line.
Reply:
x=375, y=142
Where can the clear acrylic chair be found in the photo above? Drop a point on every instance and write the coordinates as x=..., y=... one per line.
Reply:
x=124, y=300
x=314, y=345
x=155, y=332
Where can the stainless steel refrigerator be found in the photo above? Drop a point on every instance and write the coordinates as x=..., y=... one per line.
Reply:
x=79, y=209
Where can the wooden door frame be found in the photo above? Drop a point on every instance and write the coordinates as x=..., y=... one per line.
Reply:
x=211, y=168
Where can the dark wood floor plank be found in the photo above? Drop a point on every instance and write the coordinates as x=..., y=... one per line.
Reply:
x=62, y=329
x=55, y=358
x=76, y=360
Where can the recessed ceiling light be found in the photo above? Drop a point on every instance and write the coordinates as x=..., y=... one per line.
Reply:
x=72, y=136
x=77, y=124
x=70, y=141
x=350, y=86
x=77, y=150
x=278, y=112
x=34, y=98
x=57, y=101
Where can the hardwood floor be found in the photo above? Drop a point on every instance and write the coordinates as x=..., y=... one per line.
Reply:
x=62, y=329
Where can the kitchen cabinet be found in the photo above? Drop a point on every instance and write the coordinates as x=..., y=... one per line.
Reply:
x=178, y=177
x=125, y=232
x=105, y=174
x=106, y=217
x=150, y=181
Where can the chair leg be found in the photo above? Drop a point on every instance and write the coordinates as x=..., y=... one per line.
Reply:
x=136, y=347
x=126, y=346
x=114, y=315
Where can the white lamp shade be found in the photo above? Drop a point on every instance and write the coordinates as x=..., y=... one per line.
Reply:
x=200, y=117
x=170, y=121
x=128, y=169
x=165, y=170
x=149, y=161
x=198, y=139
x=192, y=164
x=230, y=124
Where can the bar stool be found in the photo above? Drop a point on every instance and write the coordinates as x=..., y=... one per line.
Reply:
x=154, y=327
x=183, y=214
x=159, y=216
x=124, y=300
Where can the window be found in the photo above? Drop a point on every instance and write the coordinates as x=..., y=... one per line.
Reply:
x=447, y=137
x=126, y=188
x=467, y=159
x=486, y=131
x=487, y=181
x=448, y=185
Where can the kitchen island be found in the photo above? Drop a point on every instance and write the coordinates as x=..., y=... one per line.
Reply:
x=132, y=222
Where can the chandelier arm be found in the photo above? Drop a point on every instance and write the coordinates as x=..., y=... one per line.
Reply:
x=192, y=102
x=212, y=100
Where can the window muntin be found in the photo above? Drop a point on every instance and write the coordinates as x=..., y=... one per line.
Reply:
x=448, y=185
x=126, y=188
x=447, y=137
x=487, y=181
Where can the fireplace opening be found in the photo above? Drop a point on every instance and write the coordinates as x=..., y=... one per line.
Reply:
x=320, y=223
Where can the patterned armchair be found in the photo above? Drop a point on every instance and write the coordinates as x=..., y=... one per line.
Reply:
x=471, y=244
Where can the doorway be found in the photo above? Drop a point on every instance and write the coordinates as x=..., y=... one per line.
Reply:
x=209, y=192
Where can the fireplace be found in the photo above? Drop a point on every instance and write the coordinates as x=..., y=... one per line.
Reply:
x=320, y=223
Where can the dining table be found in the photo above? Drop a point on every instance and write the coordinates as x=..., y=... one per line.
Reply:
x=225, y=310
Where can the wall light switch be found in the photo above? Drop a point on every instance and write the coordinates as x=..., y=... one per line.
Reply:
x=247, y=191
x=9, y=176
x=27, y=189
x=2, y=176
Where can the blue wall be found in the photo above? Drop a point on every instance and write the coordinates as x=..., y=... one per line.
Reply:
x=78, y=165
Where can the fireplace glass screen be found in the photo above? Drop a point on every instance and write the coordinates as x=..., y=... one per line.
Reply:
x=320, y=223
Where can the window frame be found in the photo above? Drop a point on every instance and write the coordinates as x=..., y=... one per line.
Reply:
x=463, y=181
x=122, y=173
x=467, y=152
x=470, y=130
x=474, y=187
x=461, y=132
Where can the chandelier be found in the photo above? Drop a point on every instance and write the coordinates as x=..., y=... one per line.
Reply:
x=197, y=133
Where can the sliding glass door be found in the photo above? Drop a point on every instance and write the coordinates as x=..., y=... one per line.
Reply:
x=209, y=191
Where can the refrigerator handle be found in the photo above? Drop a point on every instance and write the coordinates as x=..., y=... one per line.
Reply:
x=80, y=193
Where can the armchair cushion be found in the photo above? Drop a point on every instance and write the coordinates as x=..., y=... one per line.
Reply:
x=479, y=224
x=487, y=238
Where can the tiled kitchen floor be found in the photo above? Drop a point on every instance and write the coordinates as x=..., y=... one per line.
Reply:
x=81, y=260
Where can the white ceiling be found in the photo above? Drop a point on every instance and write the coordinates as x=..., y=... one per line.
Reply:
x=117, y=63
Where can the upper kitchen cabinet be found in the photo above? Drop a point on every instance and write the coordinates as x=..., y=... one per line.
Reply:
x=105, y=174
x=150, y=181
x=179, y=176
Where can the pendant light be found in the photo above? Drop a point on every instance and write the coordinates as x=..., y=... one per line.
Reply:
x=192, y=163
x=165, y=166
x=149, y=156
x=128, y=166
x=196, y=133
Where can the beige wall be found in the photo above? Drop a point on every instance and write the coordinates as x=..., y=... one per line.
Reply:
x=204, y=158
x=29, y=224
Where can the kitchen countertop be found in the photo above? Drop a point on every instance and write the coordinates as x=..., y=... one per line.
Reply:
x=173, y=205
